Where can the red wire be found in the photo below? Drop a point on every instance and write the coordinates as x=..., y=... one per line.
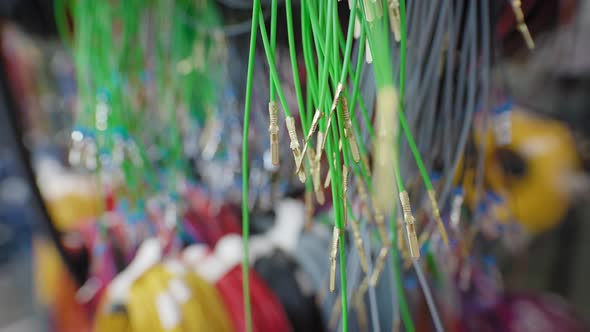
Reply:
x=267, y=312
x=229, y=287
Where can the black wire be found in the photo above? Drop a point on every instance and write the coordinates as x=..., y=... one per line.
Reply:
x=9, y=110
x=293, y=288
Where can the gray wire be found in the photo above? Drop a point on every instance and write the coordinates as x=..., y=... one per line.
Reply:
x=354, y=262
x=469, y=109
x=428, y=295
x=432, y=65
x=432, y=121
x=447, y=95
x=485, y=22
x=352, y=270
x=393, y=292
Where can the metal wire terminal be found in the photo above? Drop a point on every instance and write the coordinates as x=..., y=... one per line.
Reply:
x=315, y=177
x=436, y=213
x=348, y=132
x=358, y=242
x=273, y=130
x=328, y=177
x=395, y=20
x=410, y=225
x=333, y=253
x=369, y=10
x=332, y=109
x=319, y=144
x=368, y=54
x=314, y=125
x=379, y=264
x=344, y=193
x=521, y=25
x=365, y=161
x=362, y=191
x=380, y=221
x=295, y=146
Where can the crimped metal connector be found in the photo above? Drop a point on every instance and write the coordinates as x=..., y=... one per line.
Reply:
x=335, y=102
x=295, y=146
x=365, y=161
x=348, y=132
x=379, y=264
x=368, y=54
x=273, y=130
x=358, y=242
x=314, y=125
x=369, y=10
x=333, y=253
x=410, y=225
x=315, y=177
x=394, y=19
x=345, y=193
x=436, y=214
x=521, y=25
x=380, y=221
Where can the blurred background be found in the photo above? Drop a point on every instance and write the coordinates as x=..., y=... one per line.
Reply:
x=45, y=201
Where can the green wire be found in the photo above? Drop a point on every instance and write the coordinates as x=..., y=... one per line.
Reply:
x=335, y=172
x=294, y=66
x=245, y=172
x=271, y=64
x=312, y=81
x=403, y=306
x=349, y=39
x=273, y=43
x=406, y=318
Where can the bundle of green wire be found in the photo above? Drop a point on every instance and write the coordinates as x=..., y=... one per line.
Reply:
x=136, y=71
x=332, y=88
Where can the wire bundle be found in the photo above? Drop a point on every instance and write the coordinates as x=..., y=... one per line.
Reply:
x=372, y=163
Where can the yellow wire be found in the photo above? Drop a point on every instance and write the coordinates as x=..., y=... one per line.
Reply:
x=193, y=313
x=106, y=321
x=216, y=312
x=202, y=311
x=141, y=304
